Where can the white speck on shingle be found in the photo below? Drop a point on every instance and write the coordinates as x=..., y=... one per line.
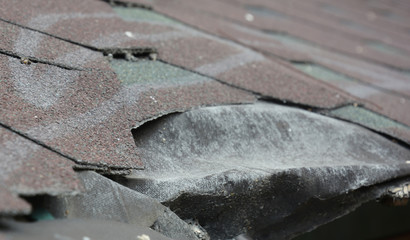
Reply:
x=153, y=99
x=143, y=237
x=129, y=34
x=249, y=17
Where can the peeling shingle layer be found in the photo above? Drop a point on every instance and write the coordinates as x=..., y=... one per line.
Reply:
x=88, y=115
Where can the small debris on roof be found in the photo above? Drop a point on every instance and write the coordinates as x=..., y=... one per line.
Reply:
x=25, y=60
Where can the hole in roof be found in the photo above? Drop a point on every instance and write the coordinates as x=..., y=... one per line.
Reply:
x=384, y=48
x=142, y=15
x=130, y=53
x=127, y=4
x=321, y=73
x=367, y=118
x=154, y=73
x=39, y=211
x=264, y=12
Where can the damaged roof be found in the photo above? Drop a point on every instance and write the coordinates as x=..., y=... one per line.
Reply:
x=77, y=76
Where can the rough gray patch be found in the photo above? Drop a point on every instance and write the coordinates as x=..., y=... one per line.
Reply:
x=40, y=87
x=107, y=200
x=231, y=166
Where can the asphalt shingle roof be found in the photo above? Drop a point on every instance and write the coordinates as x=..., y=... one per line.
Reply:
x=61, y=88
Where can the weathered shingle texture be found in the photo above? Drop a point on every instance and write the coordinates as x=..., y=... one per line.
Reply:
x=66, y=103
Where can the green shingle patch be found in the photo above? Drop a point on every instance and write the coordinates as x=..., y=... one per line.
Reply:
x=321, y=73
x=141, y=15
x=146, y=72
x=367, y=118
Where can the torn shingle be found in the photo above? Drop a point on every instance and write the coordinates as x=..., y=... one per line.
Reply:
x=11, y=204
x=269, y=158
x=27, y=169
x=88, y=115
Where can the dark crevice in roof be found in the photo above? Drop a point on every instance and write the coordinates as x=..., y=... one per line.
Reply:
x=104, y=170
x=302, y=106
x=80, y=165
x=130, y=54
x=29, y=59
x=116, y=3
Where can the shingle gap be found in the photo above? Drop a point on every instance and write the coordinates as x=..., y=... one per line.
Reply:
x=127, y=4
x=27, y=60
x=131, y=54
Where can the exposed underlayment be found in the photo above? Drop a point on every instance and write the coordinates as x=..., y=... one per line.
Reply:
x=160, y=96
x=220, y=158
